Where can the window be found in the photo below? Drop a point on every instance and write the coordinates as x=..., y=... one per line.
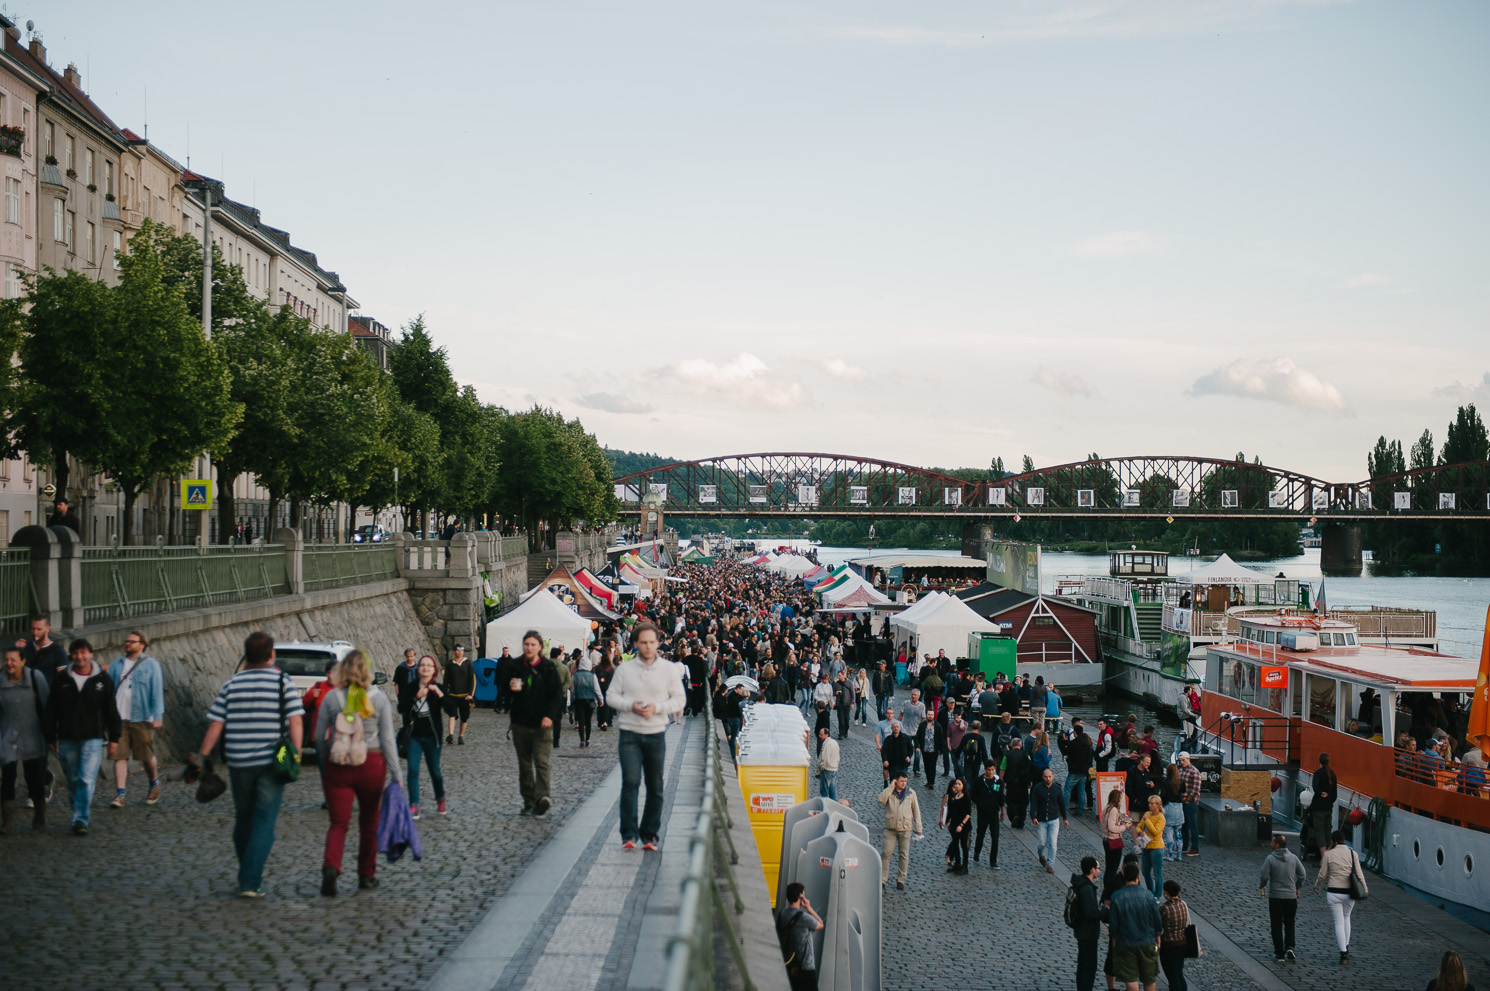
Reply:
x=88, y=245
x=48, y=140
x=12, y=282
x=118, y=247
x=72, y=222
x=88, y=167
x=57, y=219
x=12, y=201
x=108, y=177
x=2, y=108
x=67, y=161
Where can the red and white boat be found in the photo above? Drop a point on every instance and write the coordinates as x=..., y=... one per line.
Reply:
x=1293, y=686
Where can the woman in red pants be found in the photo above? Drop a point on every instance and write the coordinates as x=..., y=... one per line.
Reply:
x=347, y=773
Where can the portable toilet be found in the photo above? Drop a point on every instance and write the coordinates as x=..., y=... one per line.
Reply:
x=485, y=670
x=841, y=874
x=991, y=653
x=798, y=832
x=772, y=780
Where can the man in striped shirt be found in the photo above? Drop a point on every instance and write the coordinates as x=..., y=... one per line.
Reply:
x=247, y=715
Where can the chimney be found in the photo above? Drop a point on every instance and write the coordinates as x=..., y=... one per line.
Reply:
x=38, y=50
x=71, y=76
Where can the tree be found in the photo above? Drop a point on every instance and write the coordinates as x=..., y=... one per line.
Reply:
x=1467, y=439
x=551, y=472
x=12, y=330
x=408, y=441
x=1422, y=452
x=421, y=371
x=169, y=398
x=65, y=367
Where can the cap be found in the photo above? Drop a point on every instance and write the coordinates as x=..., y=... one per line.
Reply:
x=1184, y=755
x=460, y=646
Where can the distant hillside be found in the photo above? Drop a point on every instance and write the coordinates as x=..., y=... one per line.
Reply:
x=630, y=462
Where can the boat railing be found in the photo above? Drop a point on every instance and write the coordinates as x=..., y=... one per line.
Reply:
x=1433, y=771
x=1129, y=646
x=1108, y=588
x=1199, y=622
x=1386, y=622
x=1253, y=736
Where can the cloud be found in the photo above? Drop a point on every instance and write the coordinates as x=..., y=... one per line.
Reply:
x=840, y=369
x=609, y=402
x=1087, y=19
x=1275, y=380
x=1120, y=244
x=1365, y=279
x=744, y=380
x=1064, y=383
x=1477, y=393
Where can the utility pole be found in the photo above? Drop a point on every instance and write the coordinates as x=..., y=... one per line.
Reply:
x=207, y=263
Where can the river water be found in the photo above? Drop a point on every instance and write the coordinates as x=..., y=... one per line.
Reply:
x=1459, y=602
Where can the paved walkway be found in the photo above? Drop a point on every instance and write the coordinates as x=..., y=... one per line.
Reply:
x=1014, y=914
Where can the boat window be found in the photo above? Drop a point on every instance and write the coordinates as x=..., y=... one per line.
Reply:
x=1350, y=639
x=1270, y=636
x=1322, y=700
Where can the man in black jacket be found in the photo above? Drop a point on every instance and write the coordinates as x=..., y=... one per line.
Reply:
x=81, y=721
x=987, y=793
x=1089, y=914
x=1018, y=771
x=1048, y=814
x=882, y=682
x=537, y=704
x=896, y=751
x=1321, y=806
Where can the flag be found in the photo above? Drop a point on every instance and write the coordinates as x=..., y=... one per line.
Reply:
x=1479, y=707
x=1321, y=607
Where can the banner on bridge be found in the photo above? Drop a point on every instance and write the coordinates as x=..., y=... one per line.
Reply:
x=1015, y=566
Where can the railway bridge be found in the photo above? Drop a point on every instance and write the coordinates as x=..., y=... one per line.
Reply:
x=780, y=484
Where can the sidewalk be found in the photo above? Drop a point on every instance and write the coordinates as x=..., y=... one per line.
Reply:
x=585, y=913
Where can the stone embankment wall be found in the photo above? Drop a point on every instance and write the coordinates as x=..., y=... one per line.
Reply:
x=199, y=649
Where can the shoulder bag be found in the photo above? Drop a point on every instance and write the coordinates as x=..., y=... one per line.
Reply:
x=286, y=754
x=1357, y=883
x=1192, y=942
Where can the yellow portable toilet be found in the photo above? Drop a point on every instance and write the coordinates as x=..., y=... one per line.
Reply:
x=773, y=778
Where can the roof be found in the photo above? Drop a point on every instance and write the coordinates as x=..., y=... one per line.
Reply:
x=943, y=613
x=988, y=599
x=63, y=91
x=919, y=561
x=1384, y=666
x=1222, y=571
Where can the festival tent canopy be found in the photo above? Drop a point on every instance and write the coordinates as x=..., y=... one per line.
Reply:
x=944, y=625
x=861, y=594
x=599, y=590
x=792, y=564
x=921, y=605
x=1222, y=571
x=554, y=621
x=572, y=592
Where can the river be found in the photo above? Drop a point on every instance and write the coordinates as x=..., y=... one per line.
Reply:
x=1459, y=602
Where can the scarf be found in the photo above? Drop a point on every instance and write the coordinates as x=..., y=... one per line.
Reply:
x=357, y=704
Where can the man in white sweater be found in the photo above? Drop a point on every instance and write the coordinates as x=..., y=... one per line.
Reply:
x=645, y=691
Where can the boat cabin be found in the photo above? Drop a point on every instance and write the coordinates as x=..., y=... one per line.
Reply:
x=1138, y=564
x=1292, y=687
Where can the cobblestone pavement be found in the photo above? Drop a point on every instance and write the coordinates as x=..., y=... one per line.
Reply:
x=1015, y=913
x=146, y=900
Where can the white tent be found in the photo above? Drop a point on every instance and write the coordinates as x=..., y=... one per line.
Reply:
x=922, y=604
x=1222, y=571
x=792, y=564
x=554, y=621
x=944, y=625
x=854, y=584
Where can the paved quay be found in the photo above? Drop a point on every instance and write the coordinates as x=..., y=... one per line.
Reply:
x=145, y=901
x=1010, y=919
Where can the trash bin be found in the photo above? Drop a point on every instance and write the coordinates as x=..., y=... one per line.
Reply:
x=772, y=780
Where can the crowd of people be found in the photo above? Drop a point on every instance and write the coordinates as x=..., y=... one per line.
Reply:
x=994, y=741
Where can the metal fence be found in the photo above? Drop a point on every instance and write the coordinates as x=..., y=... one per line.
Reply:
x=123, y=582
x=334, y=565
x=17, y=597
x=690, y=952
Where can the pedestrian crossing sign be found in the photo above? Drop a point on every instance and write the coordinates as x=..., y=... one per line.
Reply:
x=196, y=493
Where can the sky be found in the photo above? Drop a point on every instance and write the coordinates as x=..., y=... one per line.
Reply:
x=932, y=233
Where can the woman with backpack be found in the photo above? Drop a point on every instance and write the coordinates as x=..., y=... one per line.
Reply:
x=354, y=726
x=23, y=746
x=587, y=696
x=419, y=702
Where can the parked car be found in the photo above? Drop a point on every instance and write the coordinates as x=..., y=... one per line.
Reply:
x=370, y=534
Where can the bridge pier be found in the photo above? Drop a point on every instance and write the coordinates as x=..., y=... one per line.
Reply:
x=1340, y=550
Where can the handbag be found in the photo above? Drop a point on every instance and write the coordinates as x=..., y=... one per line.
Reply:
x=1115, y=843
x=403, y=742
x=286, y=754
x=1192, y=942
x=1357, y=883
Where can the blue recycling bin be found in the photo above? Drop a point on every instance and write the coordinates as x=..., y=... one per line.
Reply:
x=485, y=669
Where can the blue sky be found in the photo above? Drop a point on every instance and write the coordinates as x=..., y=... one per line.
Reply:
x=931, y=232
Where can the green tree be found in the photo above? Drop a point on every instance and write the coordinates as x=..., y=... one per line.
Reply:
x=1466, y=439
x=1422, y=452
x=12, y=330
x=551, y=472
x=169, y=398
x=66, y=359
x=421, y=372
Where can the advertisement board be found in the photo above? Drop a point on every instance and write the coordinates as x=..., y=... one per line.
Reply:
x=1015, y=566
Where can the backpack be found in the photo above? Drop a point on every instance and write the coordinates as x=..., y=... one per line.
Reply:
x=348, y=747
x=1073, y=907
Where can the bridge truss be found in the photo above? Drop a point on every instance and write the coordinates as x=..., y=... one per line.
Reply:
x=829, y=486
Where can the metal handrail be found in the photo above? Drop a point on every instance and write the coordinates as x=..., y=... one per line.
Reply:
x=1434, y=772
x=690, y=951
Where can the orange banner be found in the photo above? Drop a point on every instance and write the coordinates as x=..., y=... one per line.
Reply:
x=1479, y=711
x=1274, y=676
